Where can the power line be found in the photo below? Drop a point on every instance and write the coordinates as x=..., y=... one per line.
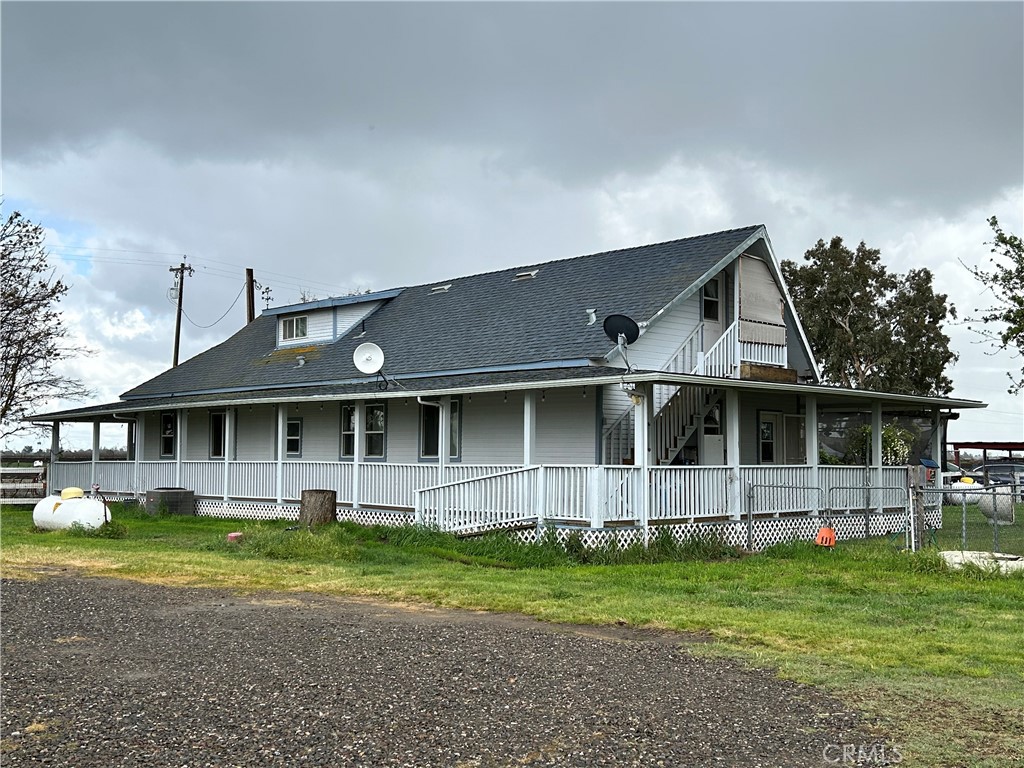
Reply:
x=197, y=325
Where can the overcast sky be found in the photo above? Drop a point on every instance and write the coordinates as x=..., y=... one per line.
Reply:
x=341, y=146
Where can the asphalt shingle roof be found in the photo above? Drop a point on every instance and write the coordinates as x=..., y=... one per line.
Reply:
x=484, y=320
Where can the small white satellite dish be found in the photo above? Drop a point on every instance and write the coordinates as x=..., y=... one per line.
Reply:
x=368, y=357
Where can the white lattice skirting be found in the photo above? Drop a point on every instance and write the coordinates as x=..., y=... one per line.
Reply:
x=262, y=510
x=765, y=532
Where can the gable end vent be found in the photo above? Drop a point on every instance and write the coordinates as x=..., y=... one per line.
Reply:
x=525, y=275
x=440, y=289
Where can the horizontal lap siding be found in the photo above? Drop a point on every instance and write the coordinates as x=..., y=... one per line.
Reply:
x=256, y=432
x=403, y=431
x=319, y=328
x=567, y=427
x=659, y=343
x=197, y=435
x=320, y=431
x=492, y=430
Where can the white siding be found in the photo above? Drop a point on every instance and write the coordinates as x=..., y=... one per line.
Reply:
x=347, y=316
x=255, y=431
x=326, y=325
x=492, y=429
x=319, y=328
x=151, y=437
x=321, y=425
x=567, y=427
x=197, y=435
x=403, y=431
x=659, y=343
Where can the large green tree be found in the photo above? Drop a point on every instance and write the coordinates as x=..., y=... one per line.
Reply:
x=32, y=336
x=1003, y=322
x=870, y=328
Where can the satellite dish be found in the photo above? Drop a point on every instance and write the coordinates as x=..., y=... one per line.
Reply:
x=621, y=325
x=368, y=357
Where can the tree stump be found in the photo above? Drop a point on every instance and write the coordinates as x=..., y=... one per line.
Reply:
x=317, y=507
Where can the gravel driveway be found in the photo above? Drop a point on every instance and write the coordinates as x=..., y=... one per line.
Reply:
x=104, y=672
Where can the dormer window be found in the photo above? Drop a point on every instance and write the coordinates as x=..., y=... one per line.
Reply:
x=293, y=328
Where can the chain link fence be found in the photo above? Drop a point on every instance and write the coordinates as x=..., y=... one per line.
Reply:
x=985, y=519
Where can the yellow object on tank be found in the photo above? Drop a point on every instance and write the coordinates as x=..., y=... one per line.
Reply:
x=71, y=493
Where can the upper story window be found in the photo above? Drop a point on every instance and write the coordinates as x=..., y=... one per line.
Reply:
x=711, y=297
x=293, y=328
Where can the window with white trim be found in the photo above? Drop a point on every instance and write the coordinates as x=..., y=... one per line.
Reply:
x=293, y=328
x=218, y=420
x=711, y=296
x=168, y=425
x=293, y=438
x=374, y=430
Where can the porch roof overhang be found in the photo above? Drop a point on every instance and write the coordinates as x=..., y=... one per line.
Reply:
x=494, y=381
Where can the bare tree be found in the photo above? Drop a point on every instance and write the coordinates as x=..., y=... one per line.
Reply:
x=31, y=332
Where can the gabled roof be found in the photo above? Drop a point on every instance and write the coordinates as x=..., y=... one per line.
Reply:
x=484, y=321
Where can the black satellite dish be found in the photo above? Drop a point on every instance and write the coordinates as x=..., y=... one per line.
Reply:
x=621, y=325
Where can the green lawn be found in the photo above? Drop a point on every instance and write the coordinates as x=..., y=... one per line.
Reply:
x=936, y=656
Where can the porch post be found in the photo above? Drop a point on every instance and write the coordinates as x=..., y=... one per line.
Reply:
x=95, y=451
x=229, y=443
x=732, y=452
x=179, y=444
x=529, y=428
x=736, y=317
x=51, y=474
x=282, y=436
x=876, y=449
x=359, y=443
x=444, y=433
x=641, y=454
x=811, y=448
x=937, y=456
x=140, y=445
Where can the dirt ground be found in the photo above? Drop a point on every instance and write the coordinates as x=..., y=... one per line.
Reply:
x=104, y=672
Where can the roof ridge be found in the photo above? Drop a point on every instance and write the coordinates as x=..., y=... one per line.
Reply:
x=539, y=264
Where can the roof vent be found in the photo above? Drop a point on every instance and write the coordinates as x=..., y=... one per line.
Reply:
x=440, y=288
x=525, y=275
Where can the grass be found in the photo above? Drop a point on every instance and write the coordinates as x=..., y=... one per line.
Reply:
x=934, y=655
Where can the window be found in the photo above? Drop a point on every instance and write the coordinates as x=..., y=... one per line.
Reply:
x=767, y=436
x=429, y=422
x=168, y=424
x=348, y=431
x=293, y=438
x=217, y=422
x=293, y=328
x=375, y=418
x=375, y=421
x=711, y=299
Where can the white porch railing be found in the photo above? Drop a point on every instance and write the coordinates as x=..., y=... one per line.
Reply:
x=688, y=492
x=763, y=354
x=720, y=360
x=479, y=496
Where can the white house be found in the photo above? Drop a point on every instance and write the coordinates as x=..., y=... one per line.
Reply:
x=503, y=403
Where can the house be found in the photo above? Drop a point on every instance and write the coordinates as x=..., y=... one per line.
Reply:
x=502, y=402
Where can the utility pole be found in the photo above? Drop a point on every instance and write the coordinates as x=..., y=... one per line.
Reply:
x=250, y=296
x=179, y=272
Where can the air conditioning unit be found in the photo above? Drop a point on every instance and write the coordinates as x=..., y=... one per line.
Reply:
x=173, y=501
